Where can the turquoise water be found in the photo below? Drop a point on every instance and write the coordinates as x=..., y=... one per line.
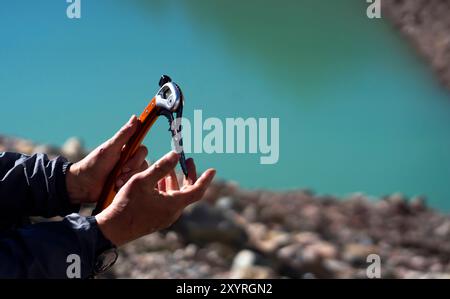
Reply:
x=358, y=109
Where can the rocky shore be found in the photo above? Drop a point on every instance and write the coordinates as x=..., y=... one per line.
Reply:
x=426, y=23
x=238, y=233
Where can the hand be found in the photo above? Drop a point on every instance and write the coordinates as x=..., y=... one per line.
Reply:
x=151, y=200
x=85, y=179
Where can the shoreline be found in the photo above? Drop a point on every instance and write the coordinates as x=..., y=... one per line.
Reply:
x=73, y=149
x=235, y=233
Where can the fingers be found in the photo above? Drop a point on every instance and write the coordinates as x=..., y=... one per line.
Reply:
x=136, y=160
x=124, y=177
x=125, y=133
x=162, y=185
x=172, y=181
x=192, y=173
x=193, y=193
x=160, y=169
x=143, y=167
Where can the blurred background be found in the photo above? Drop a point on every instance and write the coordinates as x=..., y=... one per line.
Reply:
x=360, y=110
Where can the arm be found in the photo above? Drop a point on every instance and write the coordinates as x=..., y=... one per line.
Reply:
x=42, y=250
x=151, y=200
x=33, y=186
x=37, y=186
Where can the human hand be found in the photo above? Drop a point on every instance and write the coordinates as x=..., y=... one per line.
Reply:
x=85, y=179
x=151, y=200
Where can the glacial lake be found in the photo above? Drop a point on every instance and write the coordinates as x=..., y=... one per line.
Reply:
x=358, y=109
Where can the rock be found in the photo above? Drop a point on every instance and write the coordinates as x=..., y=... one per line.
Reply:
x=190, y=250
x=256, y=231
x=46, y=149
x=306, y=238
x=418, y=263
x=398, y=202
x=290, y=252
x=427, y=25
x=274, y=239
x=42, y=148
x=443, y=230
x=244, y=267
x=24, y=146
x=267, y=241
x=323, y=249
x=217, y=254
x=340, y=268
x=418, y=204
x=436, y=268
x=397, y=199
x=253, y=272
x=296, y=261
x=156, y=242
x=204, y=223
x=225, y=203
x=308, y=276
x=243, y=259
x=250, y=214
x=72, y=149
x=357, y=254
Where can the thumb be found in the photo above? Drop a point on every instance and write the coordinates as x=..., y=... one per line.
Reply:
x=125, y=133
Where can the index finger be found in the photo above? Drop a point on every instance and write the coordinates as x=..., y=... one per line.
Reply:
x=160, y=169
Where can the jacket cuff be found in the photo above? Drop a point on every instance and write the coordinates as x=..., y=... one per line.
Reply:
x=66, y=249
x=102, y=243
x=65, y=206
x=91, y=239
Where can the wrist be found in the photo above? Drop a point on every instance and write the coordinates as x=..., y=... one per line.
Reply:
x=74, y=185
x=105, y=251
x=107, y=227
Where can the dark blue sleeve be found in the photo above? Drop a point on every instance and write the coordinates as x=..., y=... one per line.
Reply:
x=33, y=186
x=42, y=250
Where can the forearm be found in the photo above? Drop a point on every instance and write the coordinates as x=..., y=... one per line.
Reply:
x=42, y=250
x=34, y=186
x=75, y=185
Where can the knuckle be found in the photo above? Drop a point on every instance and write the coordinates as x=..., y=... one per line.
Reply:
x=102, y=149
x=135, y=181
x=160, y=167
x=157, y=166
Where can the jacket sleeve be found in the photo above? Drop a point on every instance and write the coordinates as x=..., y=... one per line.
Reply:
x=46, y=250
x=33, y=186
